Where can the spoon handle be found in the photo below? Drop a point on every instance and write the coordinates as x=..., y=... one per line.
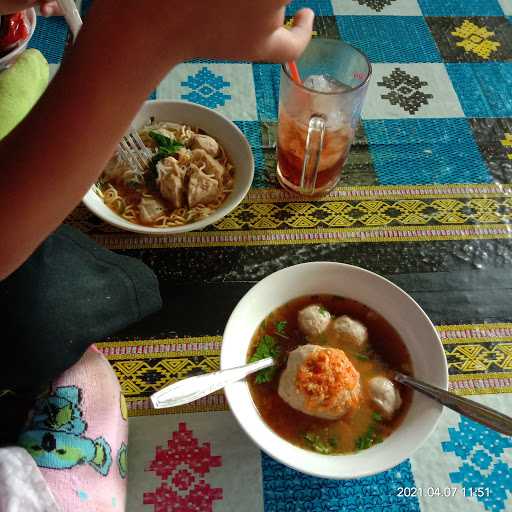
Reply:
x=71, y=15
x=477, y=412
x=193, y=388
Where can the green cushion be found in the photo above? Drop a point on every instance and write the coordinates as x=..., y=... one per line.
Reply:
x=21, y=85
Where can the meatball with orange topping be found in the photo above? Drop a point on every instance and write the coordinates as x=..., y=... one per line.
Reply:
x=320, y=381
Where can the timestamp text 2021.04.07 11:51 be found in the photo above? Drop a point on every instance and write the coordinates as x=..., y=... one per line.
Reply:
x=446, y=492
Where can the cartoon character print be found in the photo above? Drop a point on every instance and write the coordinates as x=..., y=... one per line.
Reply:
x=122, y=460
x=55, y=435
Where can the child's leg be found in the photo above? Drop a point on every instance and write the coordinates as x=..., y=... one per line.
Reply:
x=70, y=293
x=78, y=435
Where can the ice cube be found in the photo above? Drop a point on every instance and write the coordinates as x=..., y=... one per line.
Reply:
x=324, y=83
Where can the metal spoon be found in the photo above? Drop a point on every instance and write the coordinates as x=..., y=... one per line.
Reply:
x=193, y=388
x=469, y=408
x=71, y=15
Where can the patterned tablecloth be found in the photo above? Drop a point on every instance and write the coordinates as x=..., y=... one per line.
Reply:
x=425, y=200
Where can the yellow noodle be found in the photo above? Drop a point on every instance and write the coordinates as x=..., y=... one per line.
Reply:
x=128, y=209
x=130, y=213
x=113, y=200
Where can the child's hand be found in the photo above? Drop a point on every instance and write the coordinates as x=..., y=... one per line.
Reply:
x=221, y=29
x=244, y=29
x=47, y=7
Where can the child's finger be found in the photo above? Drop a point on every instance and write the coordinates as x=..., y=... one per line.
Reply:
x=50, y=8
x=288, y=44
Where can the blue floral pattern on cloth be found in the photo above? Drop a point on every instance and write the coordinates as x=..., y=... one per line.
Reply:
x=206, y=89
x=480, y=450
x=287, y=490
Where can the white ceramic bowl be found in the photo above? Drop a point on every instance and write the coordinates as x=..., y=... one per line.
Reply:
x=214, y=124
x=398, y=308
x=9, y=58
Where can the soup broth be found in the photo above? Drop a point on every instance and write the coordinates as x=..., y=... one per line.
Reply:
x=360, y=428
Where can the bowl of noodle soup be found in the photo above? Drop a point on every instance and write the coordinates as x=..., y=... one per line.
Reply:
x=201, y=168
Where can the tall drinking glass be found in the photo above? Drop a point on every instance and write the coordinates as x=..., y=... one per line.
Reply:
x=318, y=117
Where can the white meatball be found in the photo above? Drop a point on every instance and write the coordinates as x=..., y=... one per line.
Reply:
x=320, y=381
x=385, y=395
x=345, y=329
x=313, y=320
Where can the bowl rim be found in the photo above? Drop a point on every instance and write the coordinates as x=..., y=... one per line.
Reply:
x=391, y=462
x=32, y=19
x=216, y=215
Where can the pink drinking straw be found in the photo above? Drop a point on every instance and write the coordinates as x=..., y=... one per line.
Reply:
x=294, y=71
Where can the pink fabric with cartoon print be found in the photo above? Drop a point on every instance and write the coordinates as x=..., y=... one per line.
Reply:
x=78, y=437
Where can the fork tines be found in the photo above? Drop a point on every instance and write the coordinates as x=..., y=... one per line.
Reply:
x=132, y=150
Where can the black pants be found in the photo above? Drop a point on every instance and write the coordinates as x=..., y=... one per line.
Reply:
x=69, y=294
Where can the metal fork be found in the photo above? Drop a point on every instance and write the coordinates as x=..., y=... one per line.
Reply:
x=132, y=150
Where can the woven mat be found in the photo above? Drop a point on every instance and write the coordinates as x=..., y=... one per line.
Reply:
x=347, y=214
x=198, y=451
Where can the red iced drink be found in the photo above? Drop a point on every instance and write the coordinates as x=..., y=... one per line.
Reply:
x=319, y=107
x=292, y=135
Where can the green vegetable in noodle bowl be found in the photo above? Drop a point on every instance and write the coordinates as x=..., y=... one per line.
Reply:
x=331, y=390
x=166, y=147
x=188, y=177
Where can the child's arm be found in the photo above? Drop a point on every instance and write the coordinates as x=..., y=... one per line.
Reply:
x=125, y=48
x=47, y=7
